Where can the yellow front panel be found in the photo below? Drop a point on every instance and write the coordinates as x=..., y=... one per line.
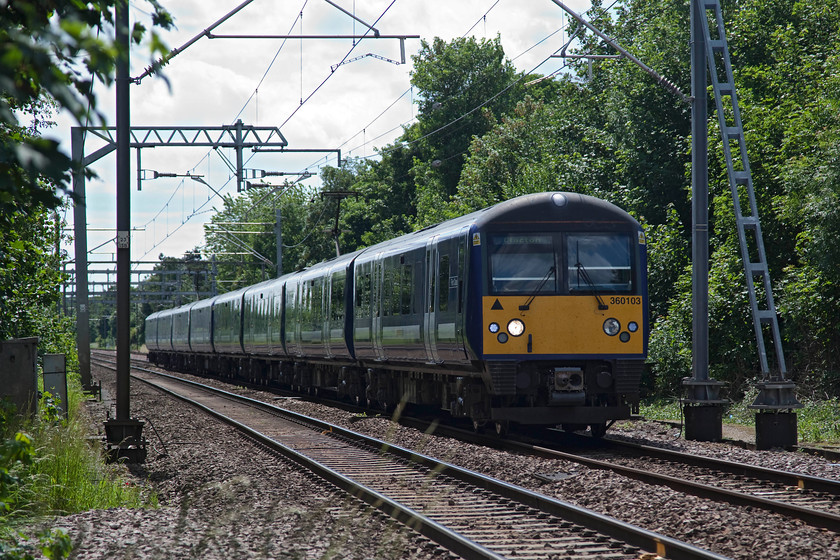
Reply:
x=563, y=325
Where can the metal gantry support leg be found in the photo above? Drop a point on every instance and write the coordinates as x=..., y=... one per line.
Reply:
x=124, y=435
x=775, y=419
x=703, y=406
x=81, y=268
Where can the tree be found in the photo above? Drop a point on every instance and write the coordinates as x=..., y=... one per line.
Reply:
x=462, y=87
x=41, y=45
x=241, y=235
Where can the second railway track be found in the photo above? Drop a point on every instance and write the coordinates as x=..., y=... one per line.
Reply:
x=471, y=514
x=813, y=500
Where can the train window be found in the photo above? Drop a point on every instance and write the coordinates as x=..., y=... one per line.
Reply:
x=317, y=304
x=337, y=297
x=363, y=294
x=396, y=281
x=522, y=263
x=407, y=290
x=387, y=290
x=599, y=262
x=443, y=283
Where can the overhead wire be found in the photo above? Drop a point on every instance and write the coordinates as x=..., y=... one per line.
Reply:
x=482, y=18
x=479, y=20
x=325, y=80
x=303, y=101
x=436, y=131
x=247, y=102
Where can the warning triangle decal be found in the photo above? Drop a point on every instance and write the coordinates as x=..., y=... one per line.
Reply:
x=497, y=306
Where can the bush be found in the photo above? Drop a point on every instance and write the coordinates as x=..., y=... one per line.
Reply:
x=48, y=467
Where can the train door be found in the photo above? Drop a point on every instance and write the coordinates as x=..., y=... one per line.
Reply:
x=460, y=295
x=328, y=313
x=377, y=279
x=292, y=319
x=430, y=305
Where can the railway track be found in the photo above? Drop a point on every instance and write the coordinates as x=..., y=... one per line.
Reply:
x=828, y=452
x=813, y=500
x=472, y=515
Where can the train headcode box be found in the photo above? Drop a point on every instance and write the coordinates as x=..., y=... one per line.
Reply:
x=18, y=376
x=55, y=380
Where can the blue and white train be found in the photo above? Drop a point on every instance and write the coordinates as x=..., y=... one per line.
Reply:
x=532, y=311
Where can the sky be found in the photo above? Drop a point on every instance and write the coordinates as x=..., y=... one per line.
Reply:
x=294, y=85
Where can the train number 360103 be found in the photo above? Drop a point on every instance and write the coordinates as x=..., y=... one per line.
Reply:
x=622, y=300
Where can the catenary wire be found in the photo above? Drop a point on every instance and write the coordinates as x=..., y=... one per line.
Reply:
x=440, y=129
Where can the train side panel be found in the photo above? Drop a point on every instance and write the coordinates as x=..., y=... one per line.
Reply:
x=151, y=333
x=276, y=336
x=165, y=330
x=200, y=327
x=256, y=318
x=181, y=329
x=337, y=322
x=409, y=300
x=227, y=323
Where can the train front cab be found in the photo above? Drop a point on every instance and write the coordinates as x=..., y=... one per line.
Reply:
x=564, y=315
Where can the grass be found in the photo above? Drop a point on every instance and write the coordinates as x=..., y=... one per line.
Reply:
x=48, y=466
x=817, y=421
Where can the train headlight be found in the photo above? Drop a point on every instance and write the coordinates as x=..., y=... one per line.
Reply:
x=502, y=338
x=494, y=328
x=516, y=327
x=612, y=326
x=632, y=326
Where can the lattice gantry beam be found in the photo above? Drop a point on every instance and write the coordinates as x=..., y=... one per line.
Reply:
x=230, y=136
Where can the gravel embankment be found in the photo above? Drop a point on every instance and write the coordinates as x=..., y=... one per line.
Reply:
x=223, y=497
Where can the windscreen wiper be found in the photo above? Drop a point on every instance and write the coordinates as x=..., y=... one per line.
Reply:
x=545, y=278
x=582, y=272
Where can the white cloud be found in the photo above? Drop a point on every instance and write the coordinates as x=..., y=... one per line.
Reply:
x=212, y=80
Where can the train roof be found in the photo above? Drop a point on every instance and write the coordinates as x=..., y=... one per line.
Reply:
x=230, y=296
x=553, y=207
x=543, y=207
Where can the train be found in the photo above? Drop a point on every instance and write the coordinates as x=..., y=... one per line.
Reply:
x=531, y=312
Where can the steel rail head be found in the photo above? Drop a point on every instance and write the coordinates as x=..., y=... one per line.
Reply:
x=636, y=536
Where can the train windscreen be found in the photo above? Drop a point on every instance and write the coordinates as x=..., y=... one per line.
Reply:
x=522, y=263
x=528, y=263
x=599, y=262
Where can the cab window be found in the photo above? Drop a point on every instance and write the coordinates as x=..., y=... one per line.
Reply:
x=522, y=263
x=599, y=262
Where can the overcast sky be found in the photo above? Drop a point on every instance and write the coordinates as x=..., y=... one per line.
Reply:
x=361, y=105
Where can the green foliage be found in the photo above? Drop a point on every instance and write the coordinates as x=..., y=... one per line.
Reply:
x=660, y=409
x=53, y=544
x=30, y=268
x=247, y=258
x=15, y=454
x=51, y=51
x=48, y=467
x=462, y=88
x=819, y=421
x=482, y=136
